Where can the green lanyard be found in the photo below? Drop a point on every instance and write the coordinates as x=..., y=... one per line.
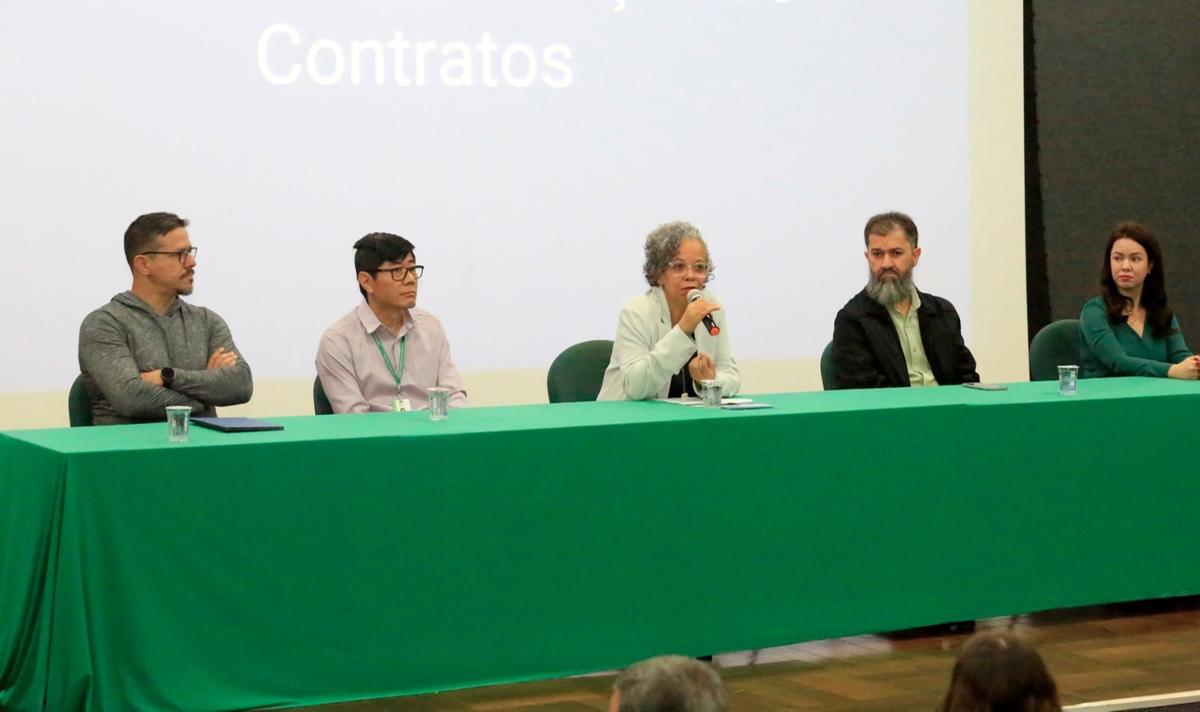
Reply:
x=397, y=371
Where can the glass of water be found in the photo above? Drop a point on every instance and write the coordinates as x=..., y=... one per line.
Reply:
x=1068, y=380
x=439, y=403
x=178, y=420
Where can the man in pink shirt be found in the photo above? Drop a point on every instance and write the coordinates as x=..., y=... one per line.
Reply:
x=386, y=354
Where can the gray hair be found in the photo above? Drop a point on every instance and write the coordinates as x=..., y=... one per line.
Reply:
x=663, y=243
x=671, y=683
x=889, y=294
x=883, y=224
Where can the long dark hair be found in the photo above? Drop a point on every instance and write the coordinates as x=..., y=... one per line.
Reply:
x=998, y=672
x=1154, y=289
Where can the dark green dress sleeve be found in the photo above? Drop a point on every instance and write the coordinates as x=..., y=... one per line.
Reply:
x=1177, y=349
x=1106, y=351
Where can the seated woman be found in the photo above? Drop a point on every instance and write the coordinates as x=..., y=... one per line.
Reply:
x=1129, y=330
x=662, y=348
x=999, y=671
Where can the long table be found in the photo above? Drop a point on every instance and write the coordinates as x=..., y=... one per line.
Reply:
x=349, y=557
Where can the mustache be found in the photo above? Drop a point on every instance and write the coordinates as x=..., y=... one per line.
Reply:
x=888, y=291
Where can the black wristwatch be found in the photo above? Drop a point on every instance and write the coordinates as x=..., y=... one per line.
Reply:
x=168, y=376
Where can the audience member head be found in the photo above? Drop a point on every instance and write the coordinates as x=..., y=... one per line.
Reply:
x=892, y=253
x=998, y=672
x=1133, y=270
x=160, y=256
x=376, y=256
x=669, y=683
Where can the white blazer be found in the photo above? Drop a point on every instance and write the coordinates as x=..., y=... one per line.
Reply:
x=648, y=351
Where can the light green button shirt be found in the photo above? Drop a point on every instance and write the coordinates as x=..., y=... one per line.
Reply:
x=908, y=328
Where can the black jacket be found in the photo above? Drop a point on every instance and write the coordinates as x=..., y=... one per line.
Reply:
x=866, y=349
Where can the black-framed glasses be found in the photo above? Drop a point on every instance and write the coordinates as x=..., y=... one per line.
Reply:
x=181, y=255
x=399, y=273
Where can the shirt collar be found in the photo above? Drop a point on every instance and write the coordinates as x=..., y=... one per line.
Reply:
x=914, y=298
x=175, y=305
x=371, y=323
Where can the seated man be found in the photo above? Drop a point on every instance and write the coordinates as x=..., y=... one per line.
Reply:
x=669, y=683
x=890, y=334
x=386, y=354
x=147, y=348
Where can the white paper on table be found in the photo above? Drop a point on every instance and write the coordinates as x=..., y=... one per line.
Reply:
x=697, y=401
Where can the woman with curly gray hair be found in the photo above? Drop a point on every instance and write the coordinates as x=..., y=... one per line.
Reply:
x=659, y=352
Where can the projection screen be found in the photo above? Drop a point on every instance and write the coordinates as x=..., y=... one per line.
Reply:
x=526, y=147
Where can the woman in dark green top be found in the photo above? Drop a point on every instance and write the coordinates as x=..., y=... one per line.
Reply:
x=1129, y=330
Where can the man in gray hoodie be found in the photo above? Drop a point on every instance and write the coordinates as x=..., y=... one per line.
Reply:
x=147, y=348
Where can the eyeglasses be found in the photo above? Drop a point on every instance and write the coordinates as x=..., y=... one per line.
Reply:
x=399, y=273
x=679, y=267
x=182, y=255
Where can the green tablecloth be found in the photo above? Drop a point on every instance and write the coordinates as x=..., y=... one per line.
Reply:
x=375, y=555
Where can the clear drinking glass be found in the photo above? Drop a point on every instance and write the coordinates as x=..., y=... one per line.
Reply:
x=710, y=391
x=439, y=403
x=1068, y=380
x=178, y=419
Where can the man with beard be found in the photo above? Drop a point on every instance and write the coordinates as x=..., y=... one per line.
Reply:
x=147, y=348
x=891, y=334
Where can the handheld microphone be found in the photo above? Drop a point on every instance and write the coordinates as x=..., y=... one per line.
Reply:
x=708, y=320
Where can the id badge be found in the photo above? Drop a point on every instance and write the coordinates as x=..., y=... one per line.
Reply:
x=401, y=405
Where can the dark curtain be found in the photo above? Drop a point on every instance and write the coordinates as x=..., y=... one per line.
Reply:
x=1112, y=131
x=1037, y=287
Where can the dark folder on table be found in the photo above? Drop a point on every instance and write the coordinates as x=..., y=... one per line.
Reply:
x=235, y=425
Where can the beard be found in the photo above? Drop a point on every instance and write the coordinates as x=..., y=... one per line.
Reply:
x=889, y=292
